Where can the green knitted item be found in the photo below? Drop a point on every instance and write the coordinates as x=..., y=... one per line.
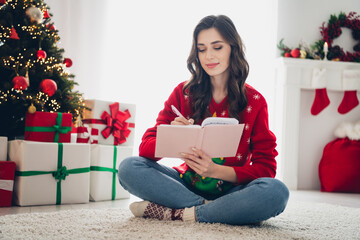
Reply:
x=206, y=184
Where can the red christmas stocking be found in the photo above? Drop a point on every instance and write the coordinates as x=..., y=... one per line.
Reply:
x=348, y=102
x=321, y=101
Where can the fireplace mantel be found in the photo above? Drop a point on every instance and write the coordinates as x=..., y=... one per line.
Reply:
x=302, y=136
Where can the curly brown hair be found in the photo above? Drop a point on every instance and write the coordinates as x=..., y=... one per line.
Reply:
x=199, y=86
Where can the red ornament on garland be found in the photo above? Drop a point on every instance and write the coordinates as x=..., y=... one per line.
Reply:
x=13, y=34
x=48, y=86
x=41, y=54
x=2, y=1
x=46, y=14
x=68, y=62
x=20, y=83
x=295, y=53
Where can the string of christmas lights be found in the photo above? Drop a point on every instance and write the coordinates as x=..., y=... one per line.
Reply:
x=25, y=4
x=40, y=99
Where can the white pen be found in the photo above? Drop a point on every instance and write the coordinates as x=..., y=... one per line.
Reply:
x=178, y=113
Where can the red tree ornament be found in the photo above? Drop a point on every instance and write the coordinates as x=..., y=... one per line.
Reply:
x=46, y=14
x=48, y=86
x=13, y=34
x=2, y=1
x=50, y=26
x=20, y=83
x=41, y=54
x=68, y=62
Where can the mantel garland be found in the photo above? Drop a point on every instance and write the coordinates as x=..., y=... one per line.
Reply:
x=330, y=32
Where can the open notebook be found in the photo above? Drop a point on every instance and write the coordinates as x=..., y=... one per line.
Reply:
x=217, y=137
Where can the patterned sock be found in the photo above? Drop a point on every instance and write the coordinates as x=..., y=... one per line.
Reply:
x=148, y=209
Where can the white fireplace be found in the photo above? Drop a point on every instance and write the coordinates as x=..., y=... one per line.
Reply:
x=301, y=135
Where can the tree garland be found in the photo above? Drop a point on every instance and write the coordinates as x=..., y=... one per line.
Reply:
x=329, y=33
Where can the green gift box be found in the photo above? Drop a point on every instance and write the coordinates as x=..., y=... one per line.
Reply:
x=104, y=164
x=50, y=173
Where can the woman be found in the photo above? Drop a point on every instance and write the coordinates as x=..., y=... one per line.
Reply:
x=246, y=191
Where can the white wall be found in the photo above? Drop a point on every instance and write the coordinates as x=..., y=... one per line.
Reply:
x=136, y=51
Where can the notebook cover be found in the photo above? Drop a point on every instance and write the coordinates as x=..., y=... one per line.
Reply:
x=214, y=140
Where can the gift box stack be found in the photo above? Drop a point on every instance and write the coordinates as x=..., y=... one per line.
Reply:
x=116, y=124
x=7, y=172
x=51, y=169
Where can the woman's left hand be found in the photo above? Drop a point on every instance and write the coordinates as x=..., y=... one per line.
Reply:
x=201, y=163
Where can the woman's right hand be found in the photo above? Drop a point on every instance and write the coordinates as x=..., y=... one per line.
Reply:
x=182, y=121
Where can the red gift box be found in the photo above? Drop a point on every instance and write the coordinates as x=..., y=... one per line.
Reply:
x=7, y=173
x=87, y=135
x=48, y=127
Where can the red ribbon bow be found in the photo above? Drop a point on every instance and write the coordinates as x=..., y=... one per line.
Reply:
x=116, y=124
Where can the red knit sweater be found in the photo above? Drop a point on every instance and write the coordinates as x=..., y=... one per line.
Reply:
x=256, y=152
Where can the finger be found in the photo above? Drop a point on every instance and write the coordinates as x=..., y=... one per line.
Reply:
x=178, y=121
x=194, y=166
x=181, y=121
x=191, y=121
x=184, y=120
x=195, y=153
x=190, y=157
x=195, y=163
x=199, y=153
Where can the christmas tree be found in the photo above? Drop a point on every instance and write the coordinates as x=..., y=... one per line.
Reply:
x=34, y=74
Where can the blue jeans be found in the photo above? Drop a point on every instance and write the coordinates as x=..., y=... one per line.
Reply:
x=254, y=202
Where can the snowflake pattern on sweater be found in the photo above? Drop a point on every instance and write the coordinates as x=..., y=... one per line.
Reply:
x=256, y=153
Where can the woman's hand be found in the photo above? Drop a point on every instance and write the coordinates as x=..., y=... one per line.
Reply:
x=182, y=121
x=201, y=163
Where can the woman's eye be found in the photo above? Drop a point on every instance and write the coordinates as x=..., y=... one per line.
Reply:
x=218, y=48
x=201, y=50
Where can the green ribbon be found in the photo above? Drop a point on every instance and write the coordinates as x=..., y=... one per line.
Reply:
x=57, y=128
x=113, y=170
x=60, y=174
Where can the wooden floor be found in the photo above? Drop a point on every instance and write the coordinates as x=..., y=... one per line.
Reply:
x=344, y=199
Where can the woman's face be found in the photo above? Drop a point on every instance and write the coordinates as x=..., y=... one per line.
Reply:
x=213, y=52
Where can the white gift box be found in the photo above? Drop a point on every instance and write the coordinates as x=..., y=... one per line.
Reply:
x=50, y=173
x=126, y=114
x=104, y=164
x=3, y=148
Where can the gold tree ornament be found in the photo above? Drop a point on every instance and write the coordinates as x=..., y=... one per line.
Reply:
x=32, y=109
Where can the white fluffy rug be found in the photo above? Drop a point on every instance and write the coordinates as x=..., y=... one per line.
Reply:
x=300, y=220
